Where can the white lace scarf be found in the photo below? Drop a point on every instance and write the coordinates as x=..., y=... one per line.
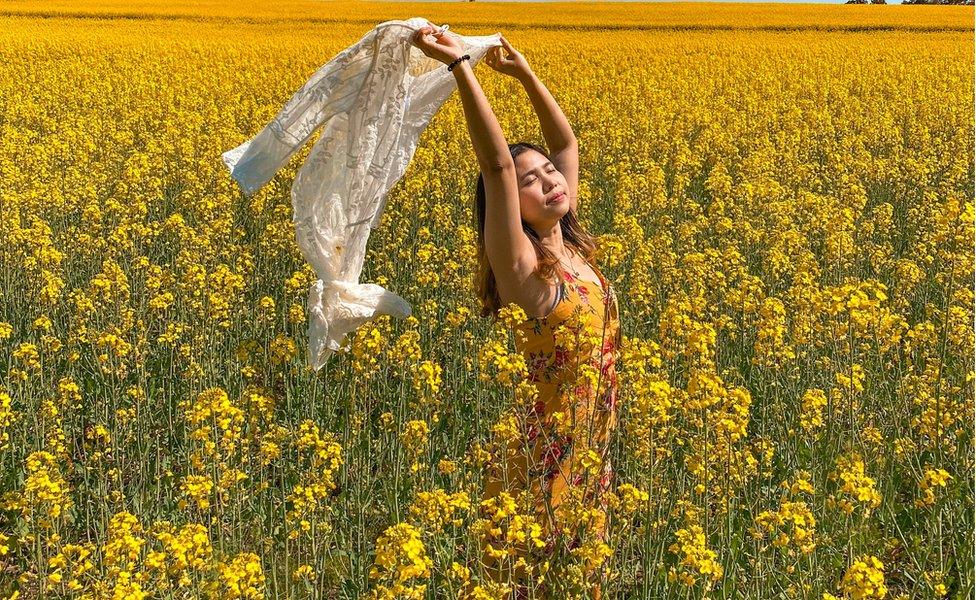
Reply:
x=375, y=98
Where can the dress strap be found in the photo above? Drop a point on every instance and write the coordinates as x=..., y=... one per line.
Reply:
x=559, y=296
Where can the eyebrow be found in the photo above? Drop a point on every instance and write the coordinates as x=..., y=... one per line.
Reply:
x=530, y=171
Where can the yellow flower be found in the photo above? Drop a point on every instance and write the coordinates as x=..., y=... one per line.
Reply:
x=242, y=577
x=436, y=508
x=932, y=479
x=811, y=409
x=305, y=572
x=400, y=555
x=283, y=349
x=695, y=559
x=323, y=457
x=864, y=579
x=197, y=488
x=855, y=485
x=46, y=492
x=414, y=436
x=792, y=522
x=631, y=498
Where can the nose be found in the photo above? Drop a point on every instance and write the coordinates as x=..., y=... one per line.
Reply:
x=550, y=182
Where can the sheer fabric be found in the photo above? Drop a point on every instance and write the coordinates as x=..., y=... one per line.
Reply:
x=374, y=98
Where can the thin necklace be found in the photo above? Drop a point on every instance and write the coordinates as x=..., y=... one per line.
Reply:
x=575, y=272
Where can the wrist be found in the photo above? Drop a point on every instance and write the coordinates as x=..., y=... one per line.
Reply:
x=525, y=77
x=457, y=61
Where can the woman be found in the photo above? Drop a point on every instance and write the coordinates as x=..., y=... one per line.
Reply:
x=534, y=253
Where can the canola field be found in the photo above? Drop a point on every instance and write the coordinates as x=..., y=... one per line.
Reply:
x=784, y=201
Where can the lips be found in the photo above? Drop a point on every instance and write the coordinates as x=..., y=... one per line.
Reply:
x=557, y=197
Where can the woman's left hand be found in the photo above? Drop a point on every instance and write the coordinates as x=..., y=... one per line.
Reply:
x=514, y=64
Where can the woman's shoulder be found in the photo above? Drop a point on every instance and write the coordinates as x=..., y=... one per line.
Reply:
x=559, y=310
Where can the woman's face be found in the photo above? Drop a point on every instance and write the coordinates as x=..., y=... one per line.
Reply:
x=538, y=183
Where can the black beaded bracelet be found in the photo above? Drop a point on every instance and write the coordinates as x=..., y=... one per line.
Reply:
x=457, y=61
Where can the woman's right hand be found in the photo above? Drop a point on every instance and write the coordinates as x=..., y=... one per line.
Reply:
x=437, y=44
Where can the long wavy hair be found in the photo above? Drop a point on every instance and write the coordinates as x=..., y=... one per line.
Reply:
x=574, y=235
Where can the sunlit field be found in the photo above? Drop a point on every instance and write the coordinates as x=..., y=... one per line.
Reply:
x=784, y=202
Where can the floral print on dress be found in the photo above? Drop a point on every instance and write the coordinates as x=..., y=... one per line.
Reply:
x=553, y=467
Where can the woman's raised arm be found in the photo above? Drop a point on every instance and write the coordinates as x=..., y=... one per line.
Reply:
x=558, y=133
x=559, y=136
x=509, y=250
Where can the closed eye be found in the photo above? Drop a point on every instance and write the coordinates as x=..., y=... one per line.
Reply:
x=530, y=179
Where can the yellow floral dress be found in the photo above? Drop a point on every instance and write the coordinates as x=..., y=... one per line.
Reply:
x=570, y=354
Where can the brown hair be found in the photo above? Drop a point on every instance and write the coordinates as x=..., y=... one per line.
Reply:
x=574, y=235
